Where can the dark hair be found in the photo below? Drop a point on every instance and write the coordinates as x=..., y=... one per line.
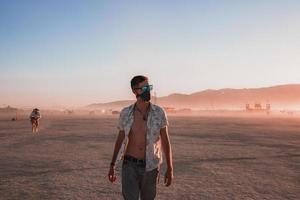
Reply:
x=137, y=79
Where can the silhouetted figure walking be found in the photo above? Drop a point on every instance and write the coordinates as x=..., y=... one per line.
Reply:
x=35, y=117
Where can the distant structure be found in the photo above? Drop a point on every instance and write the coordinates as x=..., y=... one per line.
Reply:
x=287, y=112
x=155, y=98
x=184, y=111
x=169, y=109
x=8, y=109
x=69, y=112
x=258, y=108
x=11, y=111
x=172, y=110
x=92, y=112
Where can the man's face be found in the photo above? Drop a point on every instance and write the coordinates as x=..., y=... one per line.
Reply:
x=137, y=90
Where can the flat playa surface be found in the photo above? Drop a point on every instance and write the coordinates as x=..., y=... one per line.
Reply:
x=214, y=158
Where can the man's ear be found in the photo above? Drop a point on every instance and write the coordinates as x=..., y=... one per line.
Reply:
x=133, y=91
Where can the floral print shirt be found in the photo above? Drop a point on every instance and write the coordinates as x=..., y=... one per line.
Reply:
x=157, y=120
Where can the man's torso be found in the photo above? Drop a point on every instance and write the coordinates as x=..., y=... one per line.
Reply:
x=150, y=139
x=137, y=138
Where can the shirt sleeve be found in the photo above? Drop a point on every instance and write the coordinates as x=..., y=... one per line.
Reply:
x=164, y=121
x=120, y=122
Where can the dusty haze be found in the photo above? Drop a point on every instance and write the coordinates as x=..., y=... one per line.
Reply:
x=214, y=158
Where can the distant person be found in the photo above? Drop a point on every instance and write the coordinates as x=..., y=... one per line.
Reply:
x=143, y=134
x=35, y=117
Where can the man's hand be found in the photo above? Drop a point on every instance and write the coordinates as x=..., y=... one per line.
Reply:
x=168, y=177
x=111, y=174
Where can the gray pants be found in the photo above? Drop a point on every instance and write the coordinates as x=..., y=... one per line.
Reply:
x=138, y=182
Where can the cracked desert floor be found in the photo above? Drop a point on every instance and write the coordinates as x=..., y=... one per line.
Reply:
x=214, y=158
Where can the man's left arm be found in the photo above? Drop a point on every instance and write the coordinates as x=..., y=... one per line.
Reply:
x=166, y=145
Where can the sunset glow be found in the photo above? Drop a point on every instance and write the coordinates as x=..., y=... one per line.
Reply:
x=73, y=53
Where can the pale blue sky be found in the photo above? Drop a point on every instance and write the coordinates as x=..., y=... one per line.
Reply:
x=71, y=52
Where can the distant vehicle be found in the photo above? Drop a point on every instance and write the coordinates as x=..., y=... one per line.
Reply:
x=287, y=112
x=115, y=112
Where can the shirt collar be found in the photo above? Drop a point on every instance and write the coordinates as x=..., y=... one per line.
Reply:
x=131, y=107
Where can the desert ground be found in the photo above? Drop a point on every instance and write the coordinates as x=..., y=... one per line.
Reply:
x=214, y=158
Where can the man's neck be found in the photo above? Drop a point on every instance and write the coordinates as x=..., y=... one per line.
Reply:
x=142, y=105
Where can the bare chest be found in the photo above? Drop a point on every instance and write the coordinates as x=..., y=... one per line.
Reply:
x=139, y=125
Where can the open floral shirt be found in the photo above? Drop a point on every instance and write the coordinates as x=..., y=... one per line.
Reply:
x=157, y=119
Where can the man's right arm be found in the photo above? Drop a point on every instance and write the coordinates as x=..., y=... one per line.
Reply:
x=118, y=145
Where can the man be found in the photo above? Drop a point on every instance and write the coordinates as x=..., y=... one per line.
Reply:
x=143, y=134
x=35, y=116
